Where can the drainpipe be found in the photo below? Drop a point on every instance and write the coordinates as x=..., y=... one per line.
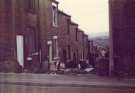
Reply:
x=111, y=59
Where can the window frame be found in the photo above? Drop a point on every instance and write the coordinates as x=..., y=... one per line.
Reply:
x=54, y=14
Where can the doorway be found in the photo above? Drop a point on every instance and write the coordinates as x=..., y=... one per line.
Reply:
x=20, y=49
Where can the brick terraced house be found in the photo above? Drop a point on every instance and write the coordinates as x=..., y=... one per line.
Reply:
x=63, y=34
x=35, y=35
x=85, y=47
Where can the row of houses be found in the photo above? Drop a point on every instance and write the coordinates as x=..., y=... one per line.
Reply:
x=36, y=32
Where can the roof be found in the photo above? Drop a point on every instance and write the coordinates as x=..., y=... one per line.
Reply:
x=80, y=30
x=63, y=13
x=73, y=23
x=55, y=1
x=86, y=35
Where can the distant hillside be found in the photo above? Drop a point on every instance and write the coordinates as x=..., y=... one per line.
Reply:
x=98, y=34
x=101, y=40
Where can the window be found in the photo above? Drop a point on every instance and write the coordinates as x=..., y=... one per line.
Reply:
x=82, y=38
x=69, y=52
x=77, y=51
x=76, y=34
x=55, y=14
x=30, y=41
x=83, y=55
x=68, y=26
x=31, y=5
x=54, y=48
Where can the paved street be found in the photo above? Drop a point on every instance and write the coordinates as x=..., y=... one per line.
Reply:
x=46, y=83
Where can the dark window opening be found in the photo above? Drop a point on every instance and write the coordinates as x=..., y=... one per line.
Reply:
x=69, y=52
x=30, y=41
x=68, y=26
x=54, y=48
x=31, y=6
x=76, y=35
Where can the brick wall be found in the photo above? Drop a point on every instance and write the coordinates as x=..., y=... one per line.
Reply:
x=35, y=23
x=63, y=36
x=80, y=43
x=85, y=47
x=122, y=33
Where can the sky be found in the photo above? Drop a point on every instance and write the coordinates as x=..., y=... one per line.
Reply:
x=91, y=15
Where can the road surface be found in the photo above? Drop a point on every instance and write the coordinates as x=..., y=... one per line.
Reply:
x=45, y=83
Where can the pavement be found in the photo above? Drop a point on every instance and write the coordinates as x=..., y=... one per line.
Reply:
x=76, y=80
x=65, y=83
